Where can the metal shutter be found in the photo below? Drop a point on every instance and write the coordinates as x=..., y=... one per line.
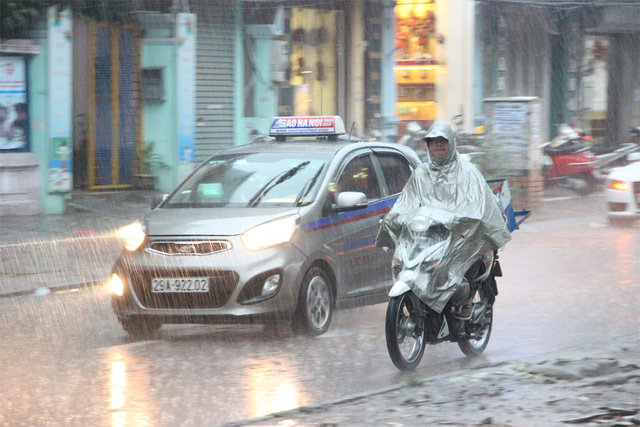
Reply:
x=214, y=77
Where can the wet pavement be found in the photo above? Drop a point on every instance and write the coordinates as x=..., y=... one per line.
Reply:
x=594, y=384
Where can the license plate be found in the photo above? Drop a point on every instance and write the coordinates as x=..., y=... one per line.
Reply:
x=180, y=284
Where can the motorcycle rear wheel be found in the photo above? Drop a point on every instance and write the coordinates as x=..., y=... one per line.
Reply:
x=405, y=331
x=472, y=347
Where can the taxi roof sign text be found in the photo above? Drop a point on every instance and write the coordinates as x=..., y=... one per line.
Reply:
x=307, y=126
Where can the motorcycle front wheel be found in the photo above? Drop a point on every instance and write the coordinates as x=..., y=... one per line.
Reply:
x=405, y=331
x=474, y=347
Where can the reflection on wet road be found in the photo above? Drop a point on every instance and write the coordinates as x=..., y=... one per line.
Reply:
x=66, y=361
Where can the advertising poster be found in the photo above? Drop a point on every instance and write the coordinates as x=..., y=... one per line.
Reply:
x=186, y=71
x=14, y=120
x=60, y=137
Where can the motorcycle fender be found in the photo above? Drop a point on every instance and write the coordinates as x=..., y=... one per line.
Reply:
x=398, y=289
x=444, y=329
x=497, y=271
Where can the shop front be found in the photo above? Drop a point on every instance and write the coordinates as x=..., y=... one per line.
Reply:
x=417, y=64
x=295, y=61
x=314, y=61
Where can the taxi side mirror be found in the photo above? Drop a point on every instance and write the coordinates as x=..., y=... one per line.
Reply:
x=350, y=201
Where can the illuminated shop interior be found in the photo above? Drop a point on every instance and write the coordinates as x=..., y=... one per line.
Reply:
x=416, y=66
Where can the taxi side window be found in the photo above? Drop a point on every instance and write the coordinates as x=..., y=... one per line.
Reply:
x=360, y=176
x=396, y=171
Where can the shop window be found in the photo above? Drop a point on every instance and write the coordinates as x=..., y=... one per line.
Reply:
x=152, y=84
x=14, y=109
x=417, y=44
x=313, y=61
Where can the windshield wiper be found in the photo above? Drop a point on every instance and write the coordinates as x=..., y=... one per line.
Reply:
x=276, y=180
x=308, y=186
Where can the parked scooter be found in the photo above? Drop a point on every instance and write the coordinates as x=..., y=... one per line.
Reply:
x=609, y=157
x=570, y=163
x=414, y=139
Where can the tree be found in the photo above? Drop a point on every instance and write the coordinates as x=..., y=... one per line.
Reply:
x=16, y=16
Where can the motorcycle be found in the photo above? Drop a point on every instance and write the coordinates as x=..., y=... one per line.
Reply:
x=410, y=322
x=570, y=163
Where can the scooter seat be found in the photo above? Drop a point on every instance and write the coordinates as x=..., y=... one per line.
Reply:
x=564, y=149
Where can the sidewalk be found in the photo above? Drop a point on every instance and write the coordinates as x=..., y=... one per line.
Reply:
x=43, y=252
x=594, y=384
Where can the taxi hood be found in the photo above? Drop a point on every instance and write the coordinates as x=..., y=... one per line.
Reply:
x=209, y=221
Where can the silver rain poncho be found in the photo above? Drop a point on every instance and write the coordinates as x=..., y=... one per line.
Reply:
x=453, y=192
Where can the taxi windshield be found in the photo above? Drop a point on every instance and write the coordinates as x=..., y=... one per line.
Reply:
x=251, y=180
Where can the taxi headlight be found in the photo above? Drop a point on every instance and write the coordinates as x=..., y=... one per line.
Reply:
x=270, y=234
x=116, y=285
x=133, y=236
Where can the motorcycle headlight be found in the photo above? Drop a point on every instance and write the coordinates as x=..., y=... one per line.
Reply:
x=270, y=234
x=133, y=236
x=418, y=224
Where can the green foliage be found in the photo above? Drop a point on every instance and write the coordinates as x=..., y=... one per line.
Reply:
x=16, y=16
x=149, y=161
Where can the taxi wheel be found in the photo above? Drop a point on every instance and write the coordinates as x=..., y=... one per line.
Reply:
x=140, y=328
x=315, y=306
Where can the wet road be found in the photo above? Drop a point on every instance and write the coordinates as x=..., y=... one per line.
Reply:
x=65, y=361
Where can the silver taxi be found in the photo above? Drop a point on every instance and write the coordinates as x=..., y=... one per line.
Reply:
x=272, y=232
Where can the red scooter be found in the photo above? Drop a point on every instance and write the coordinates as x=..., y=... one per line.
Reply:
x=570, y=163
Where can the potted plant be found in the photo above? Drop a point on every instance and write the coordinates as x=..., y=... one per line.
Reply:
x=148, y=163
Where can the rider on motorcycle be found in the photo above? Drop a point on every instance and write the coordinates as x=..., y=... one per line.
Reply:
x=455, y=191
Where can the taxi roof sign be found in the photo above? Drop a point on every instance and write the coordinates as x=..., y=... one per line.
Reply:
x=330, y=126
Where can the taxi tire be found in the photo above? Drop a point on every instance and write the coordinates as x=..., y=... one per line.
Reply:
x=140, y=328
x=316, y=289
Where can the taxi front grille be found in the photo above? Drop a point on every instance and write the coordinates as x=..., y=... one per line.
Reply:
x=190, y=248
x=221, y=286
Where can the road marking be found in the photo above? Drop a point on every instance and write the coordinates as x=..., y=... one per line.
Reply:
x=56, y=241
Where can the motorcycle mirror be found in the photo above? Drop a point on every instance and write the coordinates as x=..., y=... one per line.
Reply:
x=633, y=157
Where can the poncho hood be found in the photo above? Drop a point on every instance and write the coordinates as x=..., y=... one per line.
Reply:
x=442, y=128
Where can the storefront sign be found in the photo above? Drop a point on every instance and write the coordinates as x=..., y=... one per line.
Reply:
x=60, y=137
x=513, y=136
x=508, y=117
x=186, y=73
x=14, y=121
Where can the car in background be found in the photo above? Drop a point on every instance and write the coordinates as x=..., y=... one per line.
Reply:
x=273, y=232
x=622, y=192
